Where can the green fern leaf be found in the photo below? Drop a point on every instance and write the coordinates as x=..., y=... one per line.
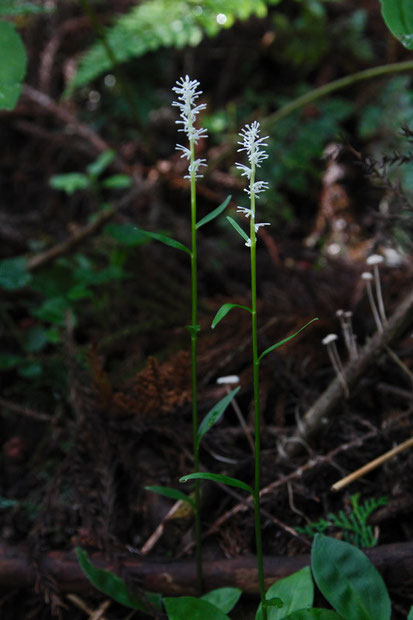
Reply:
x=163, y=23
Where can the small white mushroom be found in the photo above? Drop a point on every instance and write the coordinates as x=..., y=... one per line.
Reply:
x=347, y=329
x=231, y=380
x=374, y=261
x=368, y=277
x=330, y=342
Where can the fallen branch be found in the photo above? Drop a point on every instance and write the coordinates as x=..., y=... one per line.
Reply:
x=395, y=562
x=325, y=405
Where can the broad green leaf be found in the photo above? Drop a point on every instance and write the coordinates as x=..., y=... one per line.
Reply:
x=192, y=608
x=238, y=228
x=231, y=482
x=167, y=241
x=13, y=63
x=7, y=362
x=101, y=163
x=223, y=598
x=215, y=414
x=70, y=182
x=410, y=616
x=13, y=274
x=126, y=234
x=223, y=311
x=52, y=310
x=398, y=15
x=35, y=339
x=295, y=591
x=348, y=580
x=214, y=213
x=278, y=344
x=172, y=494
x=30, y=369
x=18, y=7
x=117, y=181
x=111, y=585
x=316, y=614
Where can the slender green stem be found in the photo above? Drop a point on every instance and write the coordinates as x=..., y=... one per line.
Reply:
x=255, y=363
x=331, y=87
x=194, y=337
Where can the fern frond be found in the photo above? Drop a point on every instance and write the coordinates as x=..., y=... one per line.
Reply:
x=162, y=23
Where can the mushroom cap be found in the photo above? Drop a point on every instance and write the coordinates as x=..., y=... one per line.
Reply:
x=329, y=338
x=374, y=259
x=366, y=275
x=230, y=379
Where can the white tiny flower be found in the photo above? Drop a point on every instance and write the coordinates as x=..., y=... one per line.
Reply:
x=245, y=211
x=257, y=226
x=185, y=151
x=366, y=275
x=194, y=167
x=245, y=170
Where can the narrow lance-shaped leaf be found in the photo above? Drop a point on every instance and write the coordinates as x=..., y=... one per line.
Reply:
x=172, y=494
x=215, y=414
x=278, y=344
x=223, y=311
x=110, y=584
x=167, y=241
x=238, y=228
x=231, y=482
x=211, y=216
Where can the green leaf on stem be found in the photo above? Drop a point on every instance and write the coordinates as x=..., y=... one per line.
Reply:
x=238, y=228
x=231, y=482
x=215, y=414
x=223, y=311
x=101, y=163
x=278, y=344
x=13, y=64
x=192, y=608
x=172, y=494
x=69, y=182
x=296, y=592
x=211, y=216
x=410, y=616
x=398, y=15
x=167, y=241
x=110, y=584
x=117, y=181
x=13, y=273
x=348, y=580
x=223, y=598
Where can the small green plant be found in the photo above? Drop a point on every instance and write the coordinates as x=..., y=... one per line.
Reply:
x=344, y=575
x=354, y=525
x=71, y=182
x=253, y=144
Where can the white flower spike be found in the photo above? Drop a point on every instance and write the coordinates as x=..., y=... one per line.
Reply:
x=253, y=145
x=187, y=92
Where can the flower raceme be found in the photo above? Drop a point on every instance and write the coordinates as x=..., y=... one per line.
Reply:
x=252, y=143
x=187, y=92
